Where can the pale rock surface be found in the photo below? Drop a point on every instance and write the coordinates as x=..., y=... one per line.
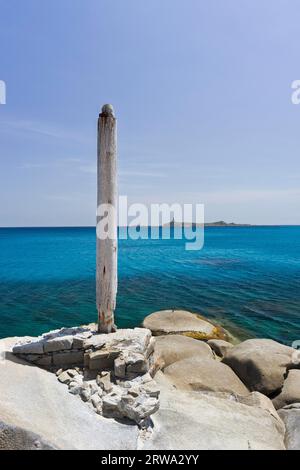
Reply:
x=259, y=400
x=36, y=407
x=104, y=381
x=111, y=403
x=136, y=339
x=172, y=348
x=192, y=420
x=126, y=351
x=290, y=392
x=195, y=373
x=219, y=346
x=137, y=381
x=31, y=347
x=59, y=343
x=37, y=410
x=64, y=378
x=291, y=418
x=138, y=406
x=84, y=346
x=108, y=365
x=133, y=399
x=182, y=322
x=55, y=340
x=255, y=399
x=261, y=364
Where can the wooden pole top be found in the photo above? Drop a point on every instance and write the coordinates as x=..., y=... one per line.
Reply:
x=108, y=110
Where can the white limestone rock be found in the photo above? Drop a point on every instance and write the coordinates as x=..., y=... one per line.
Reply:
x=85, y=392
x=111, y=404
x=96, y=400
x=104, y=381
x=151, y=388
x=138, y=406
x=58, y=344
x=120, y=367
x=31, y=347
x=195, y=420
x=36, y=408
x=64, y=378
x=135, y=340
x=291, y=417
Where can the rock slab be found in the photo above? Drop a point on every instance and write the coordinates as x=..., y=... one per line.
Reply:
x=290, y=392
x=261, y=364
x=192, y=420
x=172, y=348
x=182, y=322
x=290, y=415
x=195, y=373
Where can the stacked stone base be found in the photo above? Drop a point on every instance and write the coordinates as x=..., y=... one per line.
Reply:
x=110, y=372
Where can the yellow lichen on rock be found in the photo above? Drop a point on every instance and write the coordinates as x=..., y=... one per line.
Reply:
x=182, y=322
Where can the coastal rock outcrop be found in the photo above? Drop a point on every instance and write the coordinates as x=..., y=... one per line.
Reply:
x=196, y=373
x=80, y=346
x=38, y=412
x=219, y=346
x=262, y=364
x=109, y=372
x=172, y=348
x=195, y=420
x=181, y=322
x=196, y=403
x=36, y=408
x=111, y=397
x=290, y=415
x=290, y=392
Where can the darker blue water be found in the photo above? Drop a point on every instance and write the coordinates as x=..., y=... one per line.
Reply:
x=247, y=279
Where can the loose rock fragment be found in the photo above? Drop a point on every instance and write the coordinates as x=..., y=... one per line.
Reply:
x=64, y=378
x=104, y=381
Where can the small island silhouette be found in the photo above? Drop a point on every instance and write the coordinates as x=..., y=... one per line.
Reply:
x=219, y=223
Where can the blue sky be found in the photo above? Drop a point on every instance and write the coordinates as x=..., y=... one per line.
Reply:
x=201, y=89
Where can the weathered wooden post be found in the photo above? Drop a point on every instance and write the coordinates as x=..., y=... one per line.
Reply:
x=107, y=193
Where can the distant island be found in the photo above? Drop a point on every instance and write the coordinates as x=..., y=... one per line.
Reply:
x=219, y=223
x=173, y=223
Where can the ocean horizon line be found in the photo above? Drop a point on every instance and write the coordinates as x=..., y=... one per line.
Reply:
x=206, y=225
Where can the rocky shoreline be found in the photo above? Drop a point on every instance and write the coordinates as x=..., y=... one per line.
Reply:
x=177, y=372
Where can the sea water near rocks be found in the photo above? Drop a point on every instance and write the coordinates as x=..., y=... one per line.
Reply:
x=245, y=278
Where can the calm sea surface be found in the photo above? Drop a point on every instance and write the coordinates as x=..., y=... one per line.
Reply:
x=247, y=279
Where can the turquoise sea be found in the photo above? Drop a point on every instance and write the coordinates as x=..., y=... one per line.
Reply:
x=246, y=278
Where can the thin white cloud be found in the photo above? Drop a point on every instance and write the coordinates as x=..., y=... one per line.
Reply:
x=19, y=126
x=63, y=162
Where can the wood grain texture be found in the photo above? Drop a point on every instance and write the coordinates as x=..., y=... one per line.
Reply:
x=107, y=193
